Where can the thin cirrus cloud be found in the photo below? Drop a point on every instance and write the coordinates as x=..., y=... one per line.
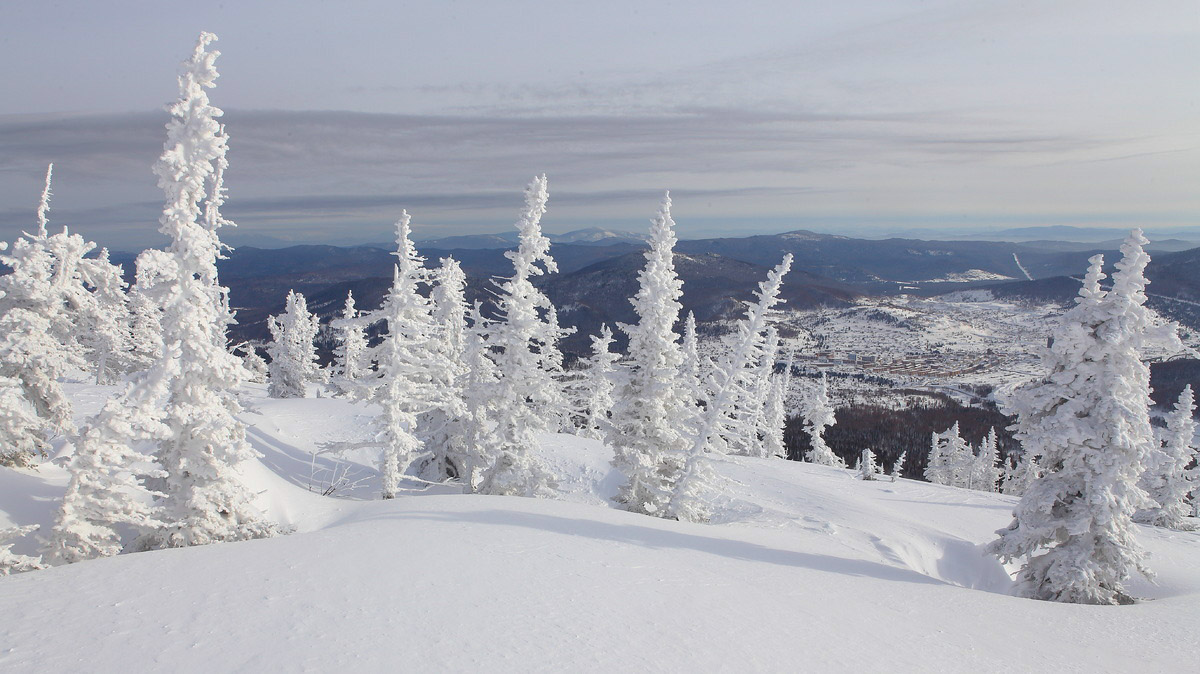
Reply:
x=801, y=115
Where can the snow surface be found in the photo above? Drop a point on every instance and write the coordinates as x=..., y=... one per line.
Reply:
x=803, y=568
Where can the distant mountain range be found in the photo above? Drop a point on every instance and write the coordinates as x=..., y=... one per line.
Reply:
x=596, y=278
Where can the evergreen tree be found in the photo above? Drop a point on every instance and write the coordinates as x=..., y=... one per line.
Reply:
x=1020, y=470
x=653, y=403
x=350, y=353
x=1166, y=477
x=475, y=441
x=867, y=468
x=597, y=386
x=898, y=467
x=524, y=343
x=203, y=440
x=687, y=497
x=985, y=474
x=439, y=425
x=819, y=415
x=292, y=350
x=1088, y=420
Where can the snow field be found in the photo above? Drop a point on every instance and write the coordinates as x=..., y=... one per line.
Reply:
x=804, y=567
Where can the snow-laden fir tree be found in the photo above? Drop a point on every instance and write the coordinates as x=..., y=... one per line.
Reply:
x=38, y=340
x=868, y=469
x=22, y=432
x=1166, y=478
x=11, y=562
x=819, y=415
x=105, y=320
x=475, y=439
x=652, y=406
x=292, y=349
x=439, y=426
x=525, y=346
x=189, y=392
x=951, y=461
x=898, y=467
x=145, y=327
x=774, y=418
x=688, y=496
x=107, y=489
x=349, y=356
x=985, y=472
x=747, y=420
x=1088, y=421
x=403, y=384
x=596, y=385
x=691, y=371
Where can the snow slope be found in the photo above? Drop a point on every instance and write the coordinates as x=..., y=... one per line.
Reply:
x=804, y=568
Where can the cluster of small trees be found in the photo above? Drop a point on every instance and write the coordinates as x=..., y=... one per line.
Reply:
x=953, y=461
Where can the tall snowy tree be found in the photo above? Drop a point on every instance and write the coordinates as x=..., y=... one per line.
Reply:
x=984, y=471
x=524, y=341
x=652, y=405
x=439, y=426
x=292, y=349
x=1166, y=477
x=597, y=385
x=1020, y=470
x=475, y=441
x=402, y=385
x=190, y=390
x=819, y=415
x=868, y=469
x=688, y=500
x=1088, y=421
x=350, y=353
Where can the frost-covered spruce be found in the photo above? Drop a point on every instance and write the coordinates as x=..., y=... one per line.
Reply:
x=349, y=356
x=22, y=432
x=528, y=362
x=868, y=469
x=749, y=413
x=474, y=441
x=1166, y=478
x=774, y=417
x=38, y=340
x=597, y=386
x=107, y=487
x=688, y=496
x=146, y=345
x=292, y=350
x=898, y=467
x=204, y=499
x=985, y=473
x=691, y=372
x=438, y=426
x=1088, y=421
x=653, y=405
x=402, y=385
x=819, y=415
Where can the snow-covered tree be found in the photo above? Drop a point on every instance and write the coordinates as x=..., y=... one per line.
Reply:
x=898, y=467
x=146, y=345
x=349, y=356
x=524, y=343
x=687, y=496
x=819, y=415
x=202, y=442
x=10, y=562
x=439, y=426
x=691, y=371
x=22, y=432
x=652, y=405
x=1166, y=477
x=107, y=488
x=596, y=385
x=475, y=442
x=774, y=418
x=402, y=385
x=868, y=469
x=292, y=350
x=1088, y=421
x=985, y=472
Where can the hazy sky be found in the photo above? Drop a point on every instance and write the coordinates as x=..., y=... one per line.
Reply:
x=836, y=116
